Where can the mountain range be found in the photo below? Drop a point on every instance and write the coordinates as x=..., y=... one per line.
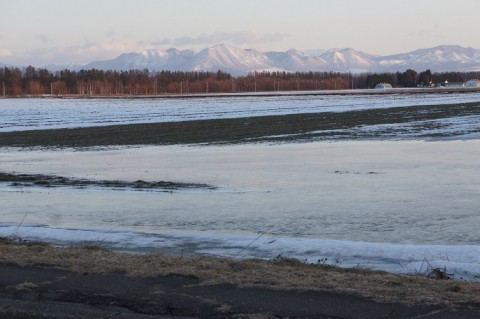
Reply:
x=239, y=61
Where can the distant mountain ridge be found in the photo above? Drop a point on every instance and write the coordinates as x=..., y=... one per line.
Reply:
x=441, y=58
x=239, y=61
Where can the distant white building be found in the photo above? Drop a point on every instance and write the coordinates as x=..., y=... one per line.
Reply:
x=473, y=83
x=383, y=86
x=453, y=84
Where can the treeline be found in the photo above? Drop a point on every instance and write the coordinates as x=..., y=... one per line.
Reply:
x=410, y=78
x=38, y=81
x=32, y=81
x=294, y=81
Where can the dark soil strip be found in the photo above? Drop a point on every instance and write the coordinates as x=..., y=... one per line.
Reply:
x=27, y=180
x=47, y=292
x=239, y=130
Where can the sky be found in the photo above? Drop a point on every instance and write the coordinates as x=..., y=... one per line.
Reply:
x=42, y=32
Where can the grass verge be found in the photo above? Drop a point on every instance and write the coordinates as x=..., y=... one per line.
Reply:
x=278, y=274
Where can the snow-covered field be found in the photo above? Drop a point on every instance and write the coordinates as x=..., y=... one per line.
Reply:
x=401, y=206
x=31, y=114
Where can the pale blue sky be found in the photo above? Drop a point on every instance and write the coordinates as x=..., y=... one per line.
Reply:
x=60, y=31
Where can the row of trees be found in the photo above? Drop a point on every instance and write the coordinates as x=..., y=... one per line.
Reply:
x=33, y=81
x=411, y=78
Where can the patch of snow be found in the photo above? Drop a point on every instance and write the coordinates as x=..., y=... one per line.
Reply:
x=462, y=262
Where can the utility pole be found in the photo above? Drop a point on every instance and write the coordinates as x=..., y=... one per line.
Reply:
x=3, y=83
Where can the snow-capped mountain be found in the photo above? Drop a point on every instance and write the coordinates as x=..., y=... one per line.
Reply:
x=349, y=60
x=441, y=58
x=228, y=58
x=61, y=67
x=239, y=61
x=2, y=65
x=294, y=60
x=155, y=60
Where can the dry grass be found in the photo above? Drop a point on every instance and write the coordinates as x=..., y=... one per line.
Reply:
x=282, y=274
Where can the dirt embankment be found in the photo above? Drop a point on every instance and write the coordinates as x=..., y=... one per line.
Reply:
x=84, y=282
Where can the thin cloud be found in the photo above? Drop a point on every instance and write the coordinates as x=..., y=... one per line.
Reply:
x=43, y=38
x=252, y=37
x=434, y=31
x=111, y=34
x=238, y=38
x=164, y=41
x=92, y=51
x=5, y=53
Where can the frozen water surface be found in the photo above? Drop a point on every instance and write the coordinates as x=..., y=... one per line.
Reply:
x=28, y=114
x=385, y=205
